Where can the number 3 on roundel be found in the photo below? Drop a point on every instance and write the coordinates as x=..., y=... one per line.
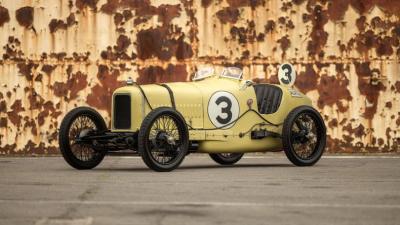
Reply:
x=223, y=109
x=286, y=74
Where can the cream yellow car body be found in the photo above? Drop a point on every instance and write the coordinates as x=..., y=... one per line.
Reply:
x=191, y=101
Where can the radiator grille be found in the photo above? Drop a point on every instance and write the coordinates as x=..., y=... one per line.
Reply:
x=268, y=98
x=122, y=112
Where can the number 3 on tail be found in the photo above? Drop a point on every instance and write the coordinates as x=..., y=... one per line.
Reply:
x=286, y=74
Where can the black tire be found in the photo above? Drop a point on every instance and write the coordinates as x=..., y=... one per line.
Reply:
x=151, y=146
x=69, y=149
x=226, y=158
x=304, y=136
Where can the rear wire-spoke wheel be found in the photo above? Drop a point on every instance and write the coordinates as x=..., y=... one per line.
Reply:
x=304, y=136
x=226, y=158
x=78, y=123
x=163, y=139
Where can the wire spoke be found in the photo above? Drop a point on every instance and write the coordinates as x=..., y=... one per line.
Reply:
x=304, y=136
x=162, y=149
x=82, y=152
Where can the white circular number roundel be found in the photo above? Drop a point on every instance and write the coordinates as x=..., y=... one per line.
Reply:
x=223, y=108
x=286, y=74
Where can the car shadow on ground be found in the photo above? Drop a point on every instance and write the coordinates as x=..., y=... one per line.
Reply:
x=194, y=167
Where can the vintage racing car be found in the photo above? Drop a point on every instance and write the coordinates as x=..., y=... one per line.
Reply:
x=222, y=115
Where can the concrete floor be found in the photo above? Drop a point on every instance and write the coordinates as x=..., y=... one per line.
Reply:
x=258, y=190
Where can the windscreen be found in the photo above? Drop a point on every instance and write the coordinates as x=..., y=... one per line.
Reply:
x=203, y=73
x=232, y=72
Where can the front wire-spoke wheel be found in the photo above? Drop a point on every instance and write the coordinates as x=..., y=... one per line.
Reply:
x=304, y=136
x=77, y=124
x=163, y=139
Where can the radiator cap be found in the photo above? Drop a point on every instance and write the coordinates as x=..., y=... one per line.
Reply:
x=130, y=81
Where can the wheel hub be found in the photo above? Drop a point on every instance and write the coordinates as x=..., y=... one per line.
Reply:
x=162, y=139
x=84, y=132
x=303, y=135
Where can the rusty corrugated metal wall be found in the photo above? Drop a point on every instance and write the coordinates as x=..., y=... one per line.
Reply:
x=59, y=54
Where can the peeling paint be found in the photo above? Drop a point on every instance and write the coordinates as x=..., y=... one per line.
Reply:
x=346, y=54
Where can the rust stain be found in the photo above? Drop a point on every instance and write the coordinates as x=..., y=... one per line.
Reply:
x=286, y=6
x=337, y=8
x=81, y=4
x=384, y=46
x=3, y=106
x=118, y=17
x=110, y=7
x=123, y=43
x=228, y=15
x=4, y=16
x=100, y=96
x=30, y=123
x=13, y=115
x=40, y=149
x=24, y=16
x=77, y=83
x=48, y=109
x=156, y=74
x=285, y=44
x=119, y=50
x=372, y=38
x=166, y=13
x=242, y=3
x=318, y=35
x=35, y=100
x=397, y=86
x=333, y=123
x=206, y=3
x=58, y=56
x=358, y=131
x=162, y=42
x=333, y=90
x=26, y=69
x=3, y=122
x=270, y=26
x=308, y=80
x=246, y=34
x=127, y=14
x=12, y=49
x=155, y=43
x=133, y=4
x=71, y=20
x=360, y=23
x=69, y=90
x=8, y=149
x=366, y=88
x=56, y=24
x=48, y=69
